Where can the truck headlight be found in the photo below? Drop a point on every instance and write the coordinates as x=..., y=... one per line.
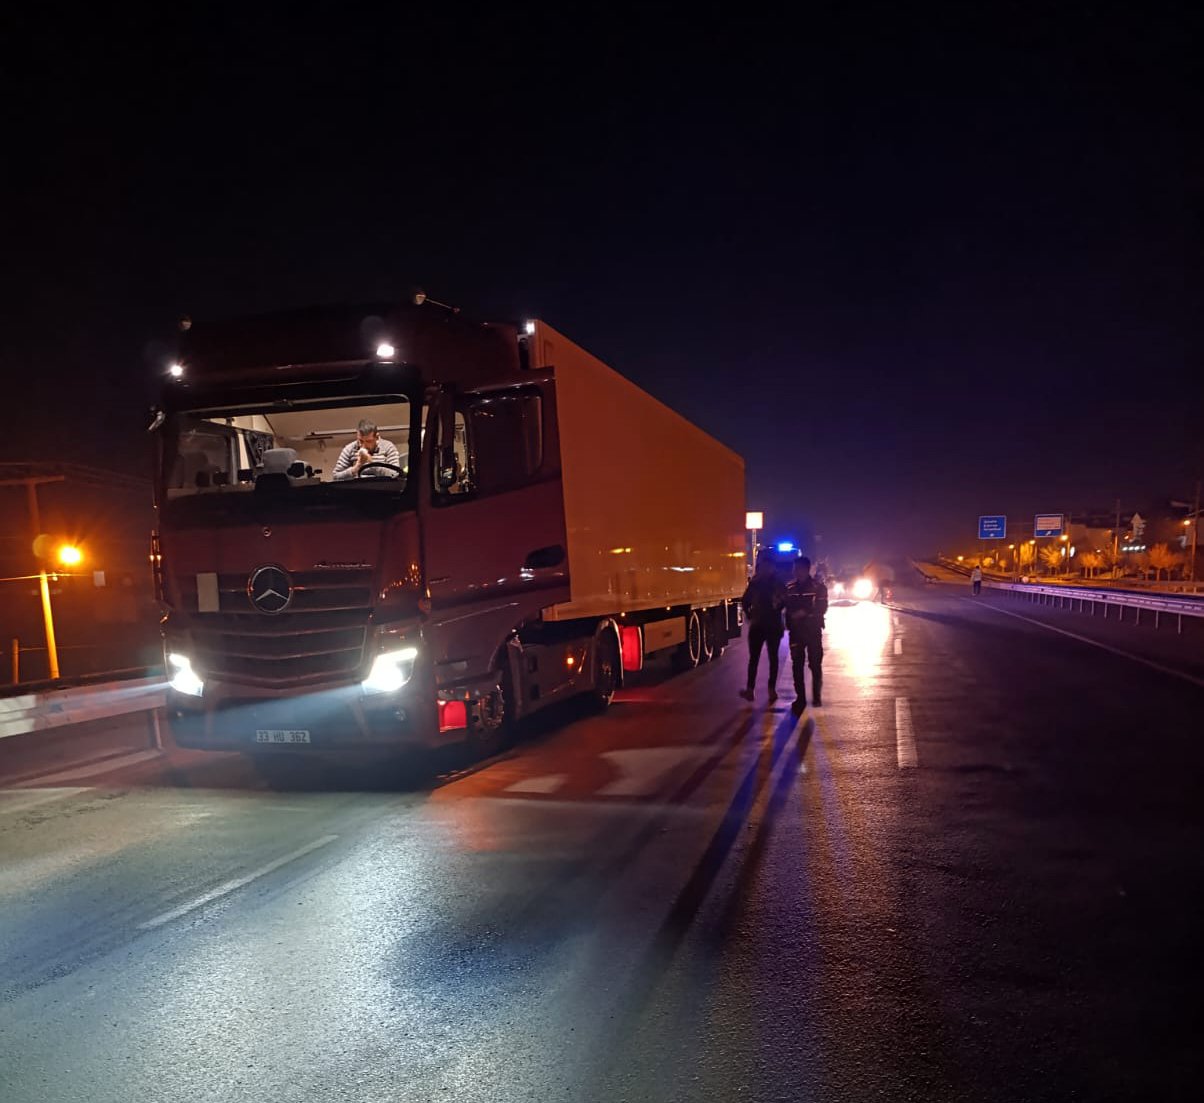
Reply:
x=183, y=678
x=863, y=588
x=390, y=671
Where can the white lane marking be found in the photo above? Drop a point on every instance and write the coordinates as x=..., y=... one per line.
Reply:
x=549, y=783
x=642, y=770
x=102, y=767
x=238, y=883
x=905, y=740
x=14, y=801
x=1094, y=643
x=898, y=645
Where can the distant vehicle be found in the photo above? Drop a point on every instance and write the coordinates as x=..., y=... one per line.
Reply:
x=848, y=588
x=544, y=526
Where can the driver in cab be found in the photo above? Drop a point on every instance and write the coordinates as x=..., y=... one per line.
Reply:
x=367, y=455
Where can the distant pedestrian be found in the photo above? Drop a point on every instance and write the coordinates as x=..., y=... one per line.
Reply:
x=763, y=602
x=976, y=580
x=806, y=610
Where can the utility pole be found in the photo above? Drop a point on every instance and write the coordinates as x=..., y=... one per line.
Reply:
x=31, y=484
x=1116, y=543
x=1195, y=530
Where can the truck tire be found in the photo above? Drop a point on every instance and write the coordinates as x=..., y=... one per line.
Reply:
x=607, y=662
x=689, y=654
x=707, y=621
x=495, y=730
x=718, y=618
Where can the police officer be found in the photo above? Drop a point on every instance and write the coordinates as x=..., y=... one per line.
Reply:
x=806, y=608
x=763, y=602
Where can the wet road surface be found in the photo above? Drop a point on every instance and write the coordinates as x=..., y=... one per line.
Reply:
x=971, y=875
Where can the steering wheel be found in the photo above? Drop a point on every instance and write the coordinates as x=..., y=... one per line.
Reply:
x=379, y=463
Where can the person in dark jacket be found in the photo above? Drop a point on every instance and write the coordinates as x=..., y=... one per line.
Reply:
x=806, y=609
x=763, y=602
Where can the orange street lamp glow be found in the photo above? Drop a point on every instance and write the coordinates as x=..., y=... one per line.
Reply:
x=70, y=556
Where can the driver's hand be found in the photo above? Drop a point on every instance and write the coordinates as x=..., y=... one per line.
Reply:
x=364, y=456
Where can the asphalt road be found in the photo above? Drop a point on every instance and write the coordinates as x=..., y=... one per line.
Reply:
x=971, y=875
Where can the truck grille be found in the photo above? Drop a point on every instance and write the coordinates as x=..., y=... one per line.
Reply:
x=320, y=637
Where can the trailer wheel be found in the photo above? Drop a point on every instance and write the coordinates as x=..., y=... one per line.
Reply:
x=689, y=654
x=708, y=637
x=719, y=637
x=606, y=671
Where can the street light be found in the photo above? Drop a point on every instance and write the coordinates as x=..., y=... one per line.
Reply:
x=68, y=555
x=754, y=522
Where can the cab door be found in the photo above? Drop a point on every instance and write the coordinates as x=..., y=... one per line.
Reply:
x=494, y=544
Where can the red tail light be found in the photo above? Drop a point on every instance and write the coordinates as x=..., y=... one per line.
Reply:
x=452, y=715
x=633, y=648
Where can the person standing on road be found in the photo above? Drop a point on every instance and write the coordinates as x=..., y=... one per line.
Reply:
x=806, y=610
x=763, y=602
x=976, y=579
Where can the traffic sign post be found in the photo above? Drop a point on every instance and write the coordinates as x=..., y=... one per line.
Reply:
x=1049, y=524
x=993, y=527
x=754, y=522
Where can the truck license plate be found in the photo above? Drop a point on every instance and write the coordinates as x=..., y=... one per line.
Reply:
x=281, y=735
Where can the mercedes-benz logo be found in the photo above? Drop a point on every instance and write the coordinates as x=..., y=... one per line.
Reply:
x=269, y=589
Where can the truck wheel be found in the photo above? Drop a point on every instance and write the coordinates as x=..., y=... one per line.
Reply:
x=718, y=623
x=708, y=637
x=494, y=727
x=689, y=654
x=606, y=672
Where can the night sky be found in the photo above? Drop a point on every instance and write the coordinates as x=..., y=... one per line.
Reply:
x=913, y=263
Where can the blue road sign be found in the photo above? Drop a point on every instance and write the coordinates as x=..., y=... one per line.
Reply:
x=994, y=527
x=1049, y=524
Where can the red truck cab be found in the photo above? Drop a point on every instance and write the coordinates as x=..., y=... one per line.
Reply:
x=416, y=601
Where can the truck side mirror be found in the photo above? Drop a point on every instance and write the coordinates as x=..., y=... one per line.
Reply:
x=447, y=474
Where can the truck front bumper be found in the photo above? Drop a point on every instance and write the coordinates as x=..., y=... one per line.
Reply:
x=339, y=721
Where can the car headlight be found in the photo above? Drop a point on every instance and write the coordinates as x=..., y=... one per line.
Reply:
x=838, y=588
x=862, y=589
x=183, y=678
x=390, y=671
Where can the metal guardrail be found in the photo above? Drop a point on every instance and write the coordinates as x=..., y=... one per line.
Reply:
x=73, y=681
x=1176, y=605
x=32, y=712
x=1185, y=588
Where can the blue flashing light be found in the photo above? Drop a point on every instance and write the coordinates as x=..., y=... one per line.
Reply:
x=786, y=546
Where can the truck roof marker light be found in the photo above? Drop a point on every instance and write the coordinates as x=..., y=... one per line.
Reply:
x=176, y=371
x=385, y=351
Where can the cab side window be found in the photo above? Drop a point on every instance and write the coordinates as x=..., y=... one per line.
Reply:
x=507, y=441
x=498, y=445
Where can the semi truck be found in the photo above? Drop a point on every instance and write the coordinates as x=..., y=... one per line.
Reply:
x=544, y=528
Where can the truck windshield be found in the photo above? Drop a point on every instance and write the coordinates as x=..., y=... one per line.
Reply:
x=360, y=445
